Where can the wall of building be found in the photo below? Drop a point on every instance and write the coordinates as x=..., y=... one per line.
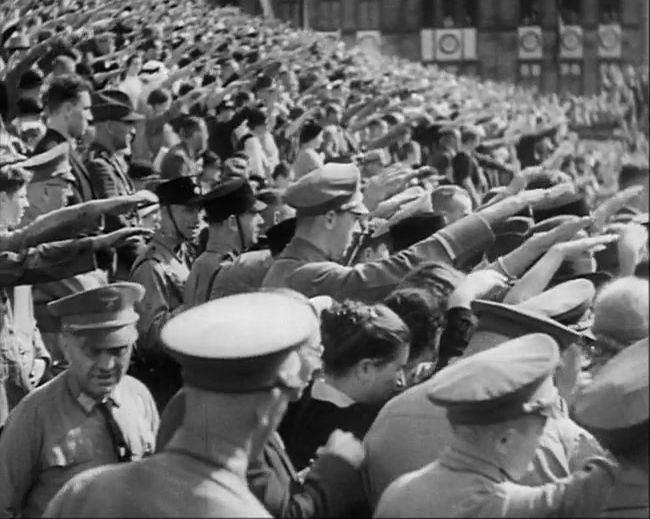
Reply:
x=396, y=26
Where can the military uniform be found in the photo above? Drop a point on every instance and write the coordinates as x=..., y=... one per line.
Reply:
x=507, y=382
x=199, y=473
x=233, y=197
x=163, y=272
x=424, y=429
x=329, y=488
x=58, y=430
x=307, y=269
x=614, y=406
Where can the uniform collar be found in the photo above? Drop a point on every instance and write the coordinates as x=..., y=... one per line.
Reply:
x=322, y=390
x=301, y=249
x=86, y=401
x=463, y=458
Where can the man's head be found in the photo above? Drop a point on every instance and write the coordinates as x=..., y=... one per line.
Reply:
x=67, y=102
x=13, y=195
x=105, y=43
x=376, y=128
x=232, y=210
x=98, y=332
x=452, y=202
x=498, y=400
x=282, y=175
x=160, y=101
x=194, y=133
x=114, y=119
x=63, y=64
x=225, y=111
x=620, y=316
x=179, y=200
x=239, y=347
x=333, y=114
x=450, y=138
x=257, y=121
x=329, y=204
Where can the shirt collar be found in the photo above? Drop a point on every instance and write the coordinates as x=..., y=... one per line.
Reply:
x=303, y=250
x=321, y=390
x=462, y=458
x=86, y=401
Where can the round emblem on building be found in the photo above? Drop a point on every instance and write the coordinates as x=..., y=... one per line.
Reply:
x=609, y=37
x=571, y=40
x=449, y=43
x=530, y=41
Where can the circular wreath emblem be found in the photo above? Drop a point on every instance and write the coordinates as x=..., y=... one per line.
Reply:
x=530, y=41
x=571, y=40
x=609, y=37
x=449, y=43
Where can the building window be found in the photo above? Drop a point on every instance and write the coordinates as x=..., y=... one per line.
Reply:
x=571, y=12
x=529, y=12
x=609, y=11
x=368, y=14
x=329, y=15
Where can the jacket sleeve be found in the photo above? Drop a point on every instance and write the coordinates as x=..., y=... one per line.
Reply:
x=19, y=459
x=154, y=309
x=47, y=262
x=583, y=494
x=104, y=185
x=372, y=281
x=461, y=323
x=329, y=490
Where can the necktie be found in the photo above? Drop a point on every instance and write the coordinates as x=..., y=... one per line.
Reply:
x=122, y=449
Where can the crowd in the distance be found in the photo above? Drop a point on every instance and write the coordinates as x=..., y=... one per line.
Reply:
x=340, y=283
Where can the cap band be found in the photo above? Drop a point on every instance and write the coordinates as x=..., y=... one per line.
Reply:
x=335, y=204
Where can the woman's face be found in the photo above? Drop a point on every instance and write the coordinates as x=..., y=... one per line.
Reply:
x=12, y=207
x=384, y=380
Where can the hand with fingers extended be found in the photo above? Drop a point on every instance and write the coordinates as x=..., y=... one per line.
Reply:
x=480, y=284
x=575, y=249
x=386, y=184
x=119, y=238
x=613, y=205
x=563, y=232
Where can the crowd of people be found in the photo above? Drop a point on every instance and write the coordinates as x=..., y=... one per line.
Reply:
x=246, y=271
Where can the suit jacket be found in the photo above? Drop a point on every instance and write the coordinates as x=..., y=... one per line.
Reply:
x=84, y=189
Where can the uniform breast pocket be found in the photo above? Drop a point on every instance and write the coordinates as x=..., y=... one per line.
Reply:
x=74, y=448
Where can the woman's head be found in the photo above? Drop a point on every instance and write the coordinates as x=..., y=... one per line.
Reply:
x=13, y=195
x=365, y=348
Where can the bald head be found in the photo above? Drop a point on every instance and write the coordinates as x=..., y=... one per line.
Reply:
x=621, y=310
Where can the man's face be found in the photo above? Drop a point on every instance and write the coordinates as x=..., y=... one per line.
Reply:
x=459, y=207
x=78, y=115
x=520, y=444
x=199, y=139
x=341, y=226
x=251, y=226
x=186, y=218
x=12, y=207
x=95, y=368
x=121, y=133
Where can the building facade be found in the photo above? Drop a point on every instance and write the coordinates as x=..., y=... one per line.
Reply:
x=554, y=45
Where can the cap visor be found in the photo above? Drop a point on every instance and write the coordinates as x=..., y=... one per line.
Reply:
x=359, y=209
x=132, y=118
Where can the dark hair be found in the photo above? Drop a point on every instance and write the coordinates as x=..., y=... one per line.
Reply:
x=423, y=313
x=30, y=79
x=281, y=170
x=241, y=98
x=158, y=96
x=210, y=158
x=310, y=131
x=13, y=178
x=352, y=331
x=66, y=88
x=188, y=125
x=184, y=88
x=631, y=174
x=256, y=118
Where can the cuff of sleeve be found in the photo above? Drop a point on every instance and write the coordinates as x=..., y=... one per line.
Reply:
x=339, y=476
x=466, y=237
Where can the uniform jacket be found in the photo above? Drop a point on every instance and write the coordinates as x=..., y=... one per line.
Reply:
x=307, y=269
x=424, y=432
x=244, y=274
x=202, y=276
x=84, y=186
x=109, y=174
x=629, y=498
x=163, y=275
x=57, y=432
x=467, y=485
x=182, y=480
